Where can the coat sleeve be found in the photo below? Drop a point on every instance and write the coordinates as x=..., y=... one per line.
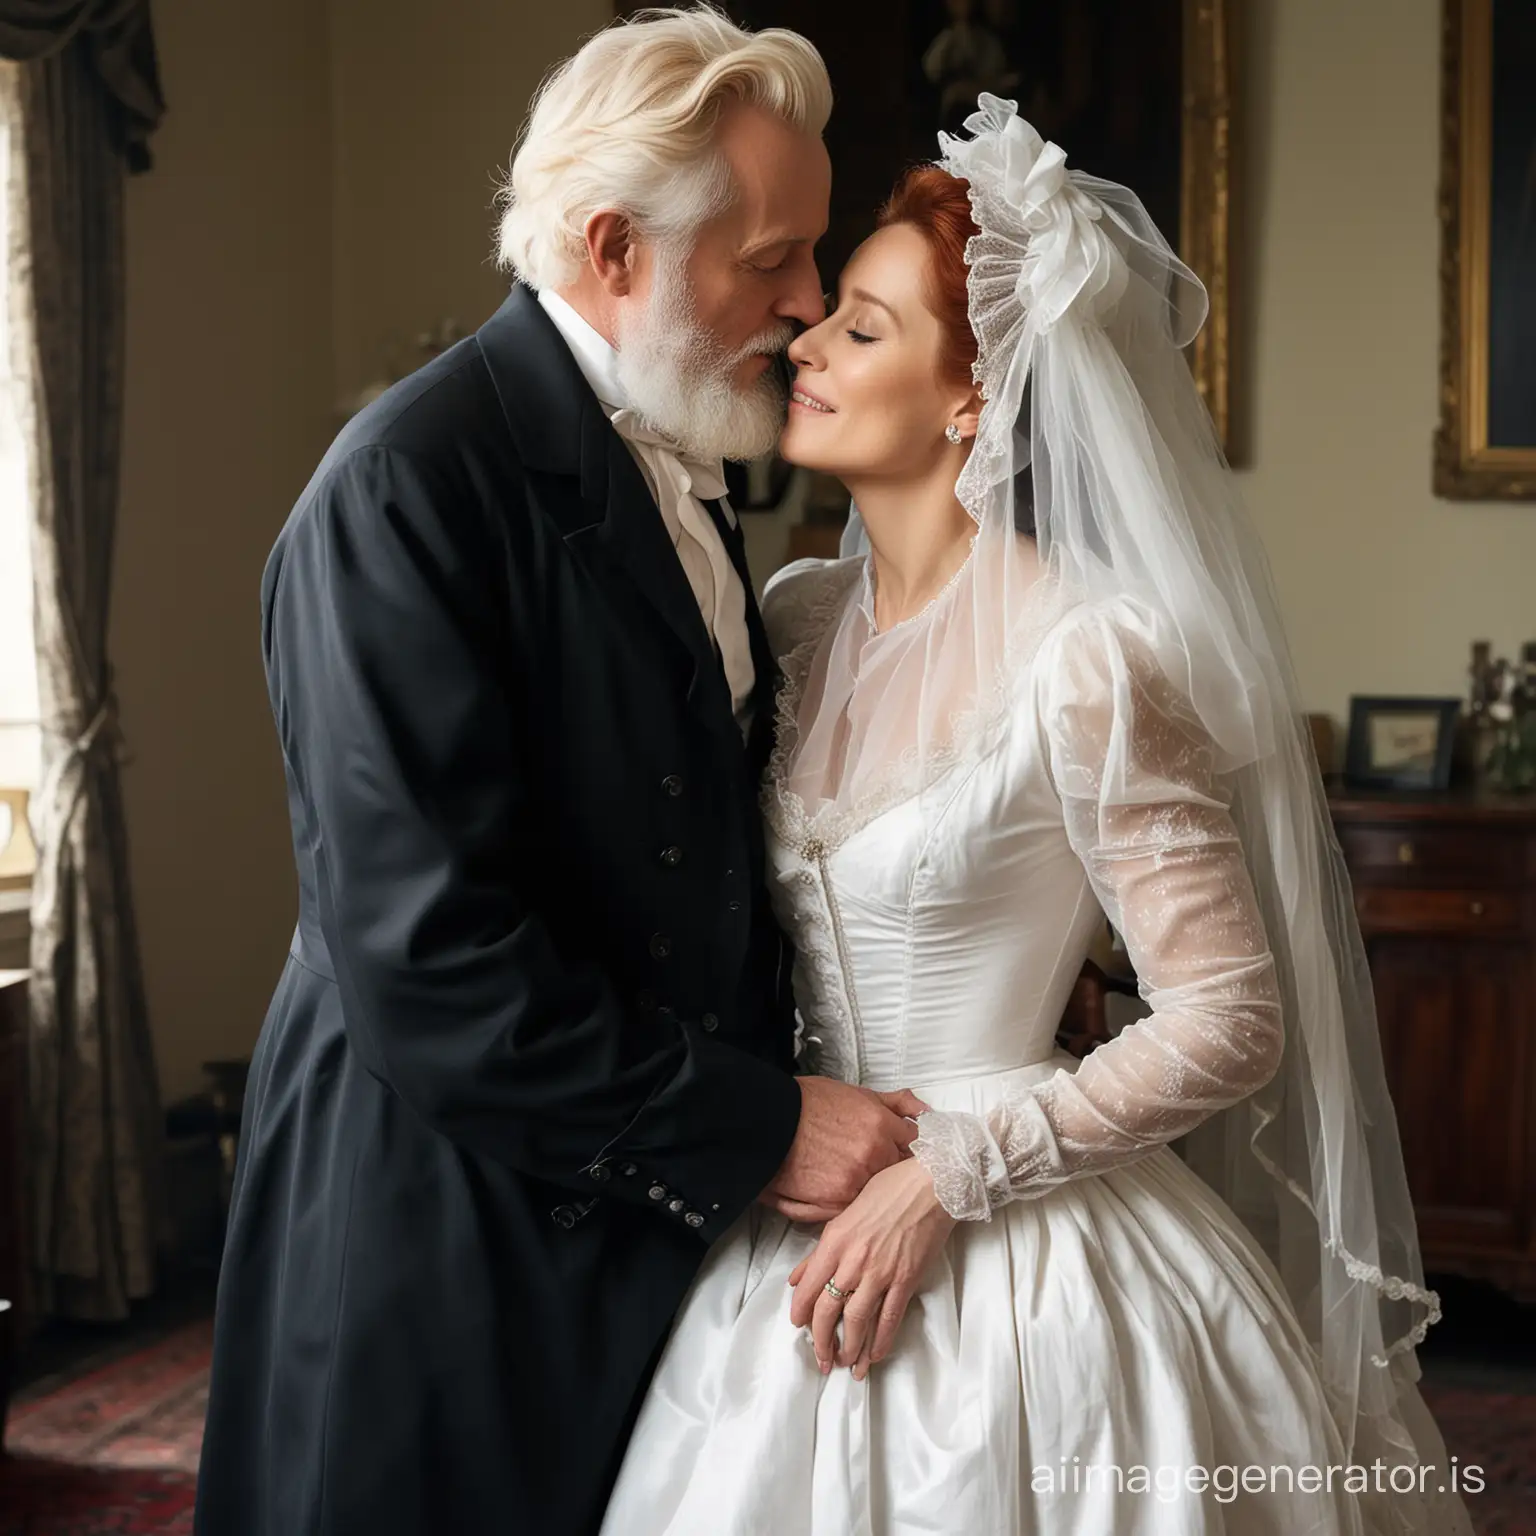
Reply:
x=388, y=656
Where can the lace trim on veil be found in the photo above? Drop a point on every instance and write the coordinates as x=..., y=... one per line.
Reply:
x=1393, y=1286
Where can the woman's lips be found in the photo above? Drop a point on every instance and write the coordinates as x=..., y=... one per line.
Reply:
x=806, y=401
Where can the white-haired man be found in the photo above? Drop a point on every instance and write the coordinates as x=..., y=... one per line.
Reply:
x=531, y=1052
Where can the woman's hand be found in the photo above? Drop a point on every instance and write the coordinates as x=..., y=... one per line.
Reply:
x=877, y=1252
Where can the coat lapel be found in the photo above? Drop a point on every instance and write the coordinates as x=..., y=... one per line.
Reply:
x=605, y=507
x=633, y=537
x=766, y=675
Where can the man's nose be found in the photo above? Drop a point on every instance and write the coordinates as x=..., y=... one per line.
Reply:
x=804, y=301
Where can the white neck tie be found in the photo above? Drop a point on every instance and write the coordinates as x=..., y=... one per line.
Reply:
x=681, y=484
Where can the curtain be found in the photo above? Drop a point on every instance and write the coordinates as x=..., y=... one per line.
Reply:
x=85, y=98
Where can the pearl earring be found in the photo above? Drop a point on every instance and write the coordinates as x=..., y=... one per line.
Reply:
x=952, y=432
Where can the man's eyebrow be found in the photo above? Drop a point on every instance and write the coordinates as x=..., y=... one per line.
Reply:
x=768, y=244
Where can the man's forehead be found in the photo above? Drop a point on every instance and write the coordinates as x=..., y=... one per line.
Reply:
x=783, y=180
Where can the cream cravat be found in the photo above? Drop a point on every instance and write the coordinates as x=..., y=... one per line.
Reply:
x=681, y=485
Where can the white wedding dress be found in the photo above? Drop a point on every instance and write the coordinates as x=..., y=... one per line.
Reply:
x=1107, y=1316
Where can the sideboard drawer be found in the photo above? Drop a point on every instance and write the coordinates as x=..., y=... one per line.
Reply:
x=1439, y=854
x=1389, y=909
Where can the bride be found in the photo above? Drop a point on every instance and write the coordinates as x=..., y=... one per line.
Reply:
x=1048, y=684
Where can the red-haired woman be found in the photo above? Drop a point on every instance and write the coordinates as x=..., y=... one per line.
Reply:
x=1047, y=684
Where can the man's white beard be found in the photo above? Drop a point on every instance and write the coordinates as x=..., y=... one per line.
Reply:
x=682, y=383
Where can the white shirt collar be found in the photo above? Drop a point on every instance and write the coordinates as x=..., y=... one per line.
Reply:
x=598, y=361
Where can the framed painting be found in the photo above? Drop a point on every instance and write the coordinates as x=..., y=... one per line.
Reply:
x=1138, y=91
x=1486, y=444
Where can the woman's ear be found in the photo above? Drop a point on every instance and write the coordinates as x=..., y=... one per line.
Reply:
x=968, y=417
x=610, y=249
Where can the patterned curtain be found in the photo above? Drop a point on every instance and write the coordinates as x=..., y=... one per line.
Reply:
x=84, y=98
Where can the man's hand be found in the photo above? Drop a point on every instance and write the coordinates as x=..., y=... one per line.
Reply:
x=846, y=1136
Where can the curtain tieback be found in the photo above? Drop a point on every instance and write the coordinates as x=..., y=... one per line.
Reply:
x=56, y=803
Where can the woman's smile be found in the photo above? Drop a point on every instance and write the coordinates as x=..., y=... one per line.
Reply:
x=806, y=401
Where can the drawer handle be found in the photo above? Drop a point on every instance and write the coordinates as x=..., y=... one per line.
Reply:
x=1405, y=854
x=1477, y=909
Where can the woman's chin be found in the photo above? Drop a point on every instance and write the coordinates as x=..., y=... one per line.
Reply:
x=794, y=449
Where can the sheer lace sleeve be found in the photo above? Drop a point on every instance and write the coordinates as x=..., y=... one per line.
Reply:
x=1148, y=817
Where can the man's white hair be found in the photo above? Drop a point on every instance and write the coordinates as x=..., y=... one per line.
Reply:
x=628, y=123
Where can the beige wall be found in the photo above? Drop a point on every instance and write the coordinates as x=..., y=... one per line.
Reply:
x=322, y=184
x=428, y=101
x=323, y=192
x=1383, y=585
x=228, y=382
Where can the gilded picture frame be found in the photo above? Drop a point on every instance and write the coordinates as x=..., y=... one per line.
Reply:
x=870, y=47
x=1207, y=230
x=1484, y=387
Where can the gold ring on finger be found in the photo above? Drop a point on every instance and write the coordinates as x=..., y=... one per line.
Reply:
x=832, y=1290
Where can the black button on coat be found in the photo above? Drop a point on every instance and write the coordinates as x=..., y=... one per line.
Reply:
x=491, y=682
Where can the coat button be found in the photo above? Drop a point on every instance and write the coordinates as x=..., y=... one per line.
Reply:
x=665, y=1012
x=660, y=946
x=735, y=906
x=672, y=856
x=676, y=1206
x=694, y=1219
x=672, y=785
x=629, y=1170
x=709, y=1023
x=657, y=1191
x=564, y=1216
x=600, y=1173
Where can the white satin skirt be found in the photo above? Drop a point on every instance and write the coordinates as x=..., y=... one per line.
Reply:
x=1102, y=1361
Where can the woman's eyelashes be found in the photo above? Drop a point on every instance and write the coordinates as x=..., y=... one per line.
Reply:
x=834, y=307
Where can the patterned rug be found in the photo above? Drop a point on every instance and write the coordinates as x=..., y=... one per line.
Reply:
x=44, y=1498
x=143, y=1412
x=114, y=1452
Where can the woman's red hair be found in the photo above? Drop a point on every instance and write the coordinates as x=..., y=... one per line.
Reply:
x=938, y=207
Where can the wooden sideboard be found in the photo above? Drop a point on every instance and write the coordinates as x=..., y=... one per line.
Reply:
x=1445, y=890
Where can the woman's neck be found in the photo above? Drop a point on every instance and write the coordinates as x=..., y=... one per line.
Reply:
x=919, y=536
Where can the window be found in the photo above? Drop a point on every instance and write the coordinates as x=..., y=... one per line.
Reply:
x=19, y=735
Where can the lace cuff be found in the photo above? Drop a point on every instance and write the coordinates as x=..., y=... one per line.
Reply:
x=973, y=1174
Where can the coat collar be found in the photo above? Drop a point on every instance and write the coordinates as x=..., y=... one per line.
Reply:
x=560, y=429
x=557, y=425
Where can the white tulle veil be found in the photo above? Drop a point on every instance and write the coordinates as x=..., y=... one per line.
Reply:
x=1094, y=434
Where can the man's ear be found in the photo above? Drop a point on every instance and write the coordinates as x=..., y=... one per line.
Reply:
x=611, y=251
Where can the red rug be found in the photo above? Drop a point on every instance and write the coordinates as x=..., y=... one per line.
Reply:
x=140, y=1413
x=44, y=1498
x=113, y=1452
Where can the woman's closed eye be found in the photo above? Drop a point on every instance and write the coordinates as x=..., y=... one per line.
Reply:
x=861, y=338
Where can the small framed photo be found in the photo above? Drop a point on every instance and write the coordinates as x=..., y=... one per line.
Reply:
x=1401, y=743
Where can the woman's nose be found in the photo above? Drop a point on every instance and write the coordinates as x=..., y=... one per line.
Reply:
x=804, y=350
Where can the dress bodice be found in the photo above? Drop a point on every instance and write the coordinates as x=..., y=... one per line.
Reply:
x=938, y=927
